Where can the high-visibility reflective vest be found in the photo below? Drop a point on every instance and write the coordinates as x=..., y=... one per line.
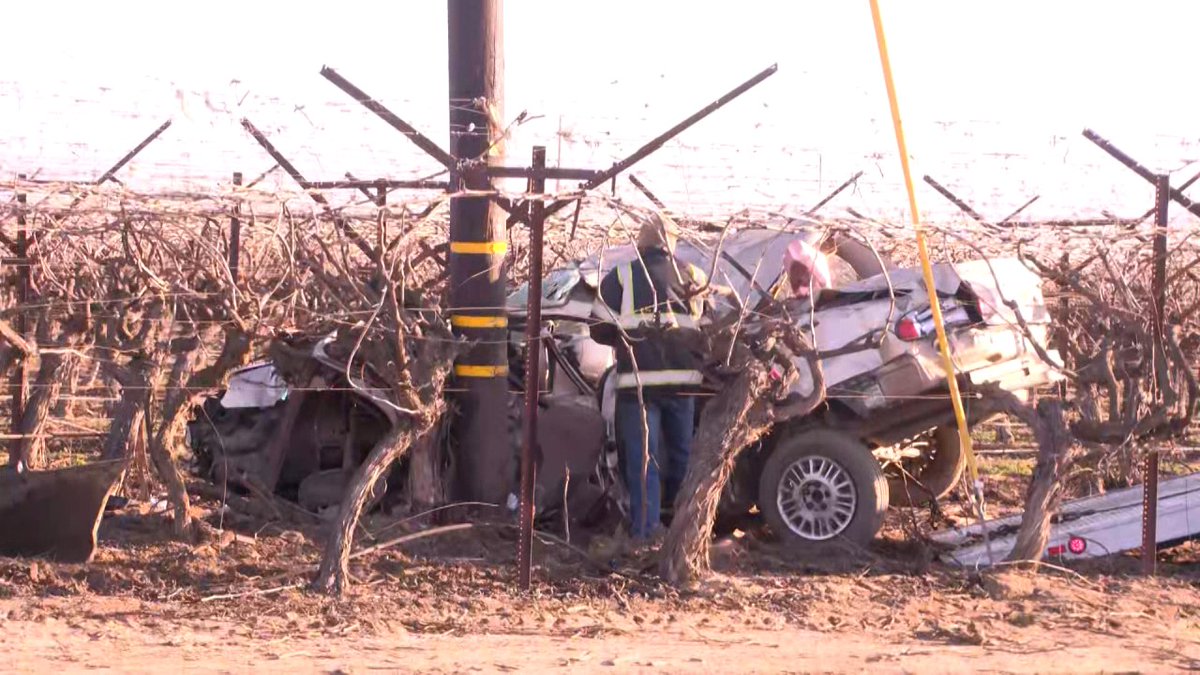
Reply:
x=635, y=297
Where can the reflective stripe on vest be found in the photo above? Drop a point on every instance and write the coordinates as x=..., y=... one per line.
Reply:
x=602, y=312
x=659, y=378
x=625, y=278
x=630, y=319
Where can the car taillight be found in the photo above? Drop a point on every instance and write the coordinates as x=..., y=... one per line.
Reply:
x=907, y=328
x=1074, y=545
x=917, y=325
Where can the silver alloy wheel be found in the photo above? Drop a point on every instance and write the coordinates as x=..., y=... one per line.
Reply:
x=816, y=498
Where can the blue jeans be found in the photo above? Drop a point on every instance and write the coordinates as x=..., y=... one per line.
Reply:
x=671, y=422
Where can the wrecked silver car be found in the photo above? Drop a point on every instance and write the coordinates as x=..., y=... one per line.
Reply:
x=885, y=434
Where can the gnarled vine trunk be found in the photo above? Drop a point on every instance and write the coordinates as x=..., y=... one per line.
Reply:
x=1044, y=494
x=334, y=571
x=426, y=487
x=734, y=419
x=1056, y=445
x=741, y=413
x=45, y=391
x=170, y=427
x=134, y=381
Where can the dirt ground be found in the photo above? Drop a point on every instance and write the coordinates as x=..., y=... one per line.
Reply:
x=447, y=604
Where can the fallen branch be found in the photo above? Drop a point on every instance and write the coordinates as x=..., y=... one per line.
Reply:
x=245, y=594
x=412, y=536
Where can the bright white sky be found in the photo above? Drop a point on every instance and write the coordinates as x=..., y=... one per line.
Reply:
x=994, y=95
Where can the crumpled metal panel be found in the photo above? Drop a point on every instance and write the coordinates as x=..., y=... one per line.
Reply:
x=256, y=386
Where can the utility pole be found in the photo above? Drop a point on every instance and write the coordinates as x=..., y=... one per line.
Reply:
x=478, y=245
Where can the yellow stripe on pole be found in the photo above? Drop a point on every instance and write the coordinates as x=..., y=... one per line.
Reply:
x=473, y=321
x=964, y=433
x=481, y=371
x=479, y=247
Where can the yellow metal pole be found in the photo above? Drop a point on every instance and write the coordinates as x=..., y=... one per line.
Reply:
x=964, y=433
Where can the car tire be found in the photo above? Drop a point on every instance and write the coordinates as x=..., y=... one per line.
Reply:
x=937, y=477
x=832, y=477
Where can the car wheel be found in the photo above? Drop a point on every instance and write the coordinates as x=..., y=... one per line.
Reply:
x=932, y=475
x=820, y=487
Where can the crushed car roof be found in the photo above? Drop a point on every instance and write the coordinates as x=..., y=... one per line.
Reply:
x=749, y=260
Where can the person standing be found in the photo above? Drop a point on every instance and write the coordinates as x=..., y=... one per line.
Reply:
x=648, y=310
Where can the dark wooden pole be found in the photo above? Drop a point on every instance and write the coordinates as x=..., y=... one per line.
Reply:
x=478, y=246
